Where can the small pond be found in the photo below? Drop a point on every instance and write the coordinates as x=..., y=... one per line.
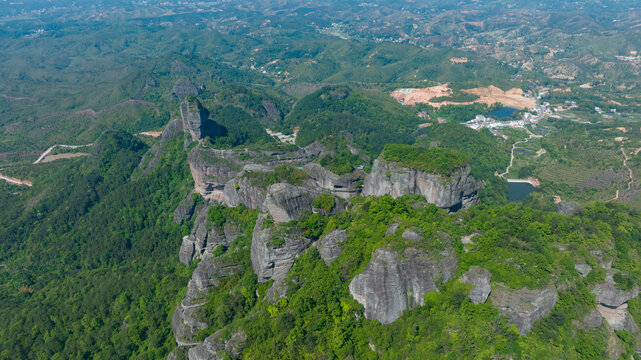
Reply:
x=501, y=113
x=518, y=191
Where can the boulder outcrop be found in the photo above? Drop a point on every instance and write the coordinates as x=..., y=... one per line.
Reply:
x=390, y=285
x=618, y=318
x=568, y=207
x=272, y=256
x=524, y=307
x=591, y=320
x=607, y=294
x=479, y=278
x=330, y=246
x=452, y=192
x=412, y=234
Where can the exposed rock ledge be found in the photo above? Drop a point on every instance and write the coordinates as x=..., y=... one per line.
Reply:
x=388, y=285
x=524, y=307
x=454, y=192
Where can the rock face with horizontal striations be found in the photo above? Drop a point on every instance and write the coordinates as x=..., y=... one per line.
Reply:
x=450, y=192
x=479, y=278
x=344, y=186
x=271, y=256
x=524, y=307
x=390, y=285
x=287, y=202
x=213, y=170
x=331, y=245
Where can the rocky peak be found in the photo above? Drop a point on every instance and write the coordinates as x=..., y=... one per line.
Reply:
x=194, y=117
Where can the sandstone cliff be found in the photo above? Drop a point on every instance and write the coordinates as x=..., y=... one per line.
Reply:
x=390, y=285
x=454, y=192
x=344, y=186
x=213, y=170
x=271, y=259
x=194, y=118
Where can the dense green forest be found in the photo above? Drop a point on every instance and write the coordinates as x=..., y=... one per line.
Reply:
x=372, y=118
x=89, y=266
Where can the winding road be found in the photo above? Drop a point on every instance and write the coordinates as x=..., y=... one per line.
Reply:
x=44, y=154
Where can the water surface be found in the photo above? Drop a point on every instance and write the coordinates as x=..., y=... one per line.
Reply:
x=502, y=113
x=518, y=191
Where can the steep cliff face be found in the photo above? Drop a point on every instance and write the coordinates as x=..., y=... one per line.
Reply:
x=214, y=169
x=524, y=307
x=287, y=202
x=272, y=256
x=185, y=209
x=194, y=118
x=453, y=192
x=201, y=239
x=390, y=285
x=187, y=319
x=240, y=191
x=344, y=186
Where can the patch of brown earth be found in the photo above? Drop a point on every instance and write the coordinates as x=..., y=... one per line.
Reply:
x=413, y=96
x=489, y=95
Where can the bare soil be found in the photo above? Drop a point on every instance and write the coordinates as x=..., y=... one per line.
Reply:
x=488, y=95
